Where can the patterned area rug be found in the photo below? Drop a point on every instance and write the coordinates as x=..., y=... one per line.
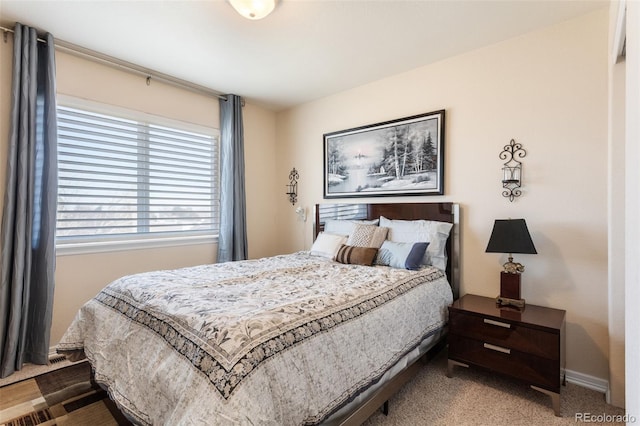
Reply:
x=67, y=396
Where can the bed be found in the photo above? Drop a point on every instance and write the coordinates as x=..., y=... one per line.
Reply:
x=285, y=340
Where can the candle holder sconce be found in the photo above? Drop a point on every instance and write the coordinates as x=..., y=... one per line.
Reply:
x=292, y=187
x=512, y=169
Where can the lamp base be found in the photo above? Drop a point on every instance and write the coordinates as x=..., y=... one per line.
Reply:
x=510, y=285
x=510, y=290
x=506, y=302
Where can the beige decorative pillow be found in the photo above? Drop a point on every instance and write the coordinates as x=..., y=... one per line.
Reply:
x=367, y=236
x=327, y=245
x=356, y=255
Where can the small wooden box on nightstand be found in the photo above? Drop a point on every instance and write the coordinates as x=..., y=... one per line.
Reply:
x=526, y=344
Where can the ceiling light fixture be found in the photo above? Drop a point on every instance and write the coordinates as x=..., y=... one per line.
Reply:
x=254, y=9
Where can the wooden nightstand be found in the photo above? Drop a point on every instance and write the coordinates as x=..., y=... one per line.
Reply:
x=527, y=345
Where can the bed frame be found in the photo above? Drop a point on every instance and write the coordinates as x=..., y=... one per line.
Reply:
x=442, y=212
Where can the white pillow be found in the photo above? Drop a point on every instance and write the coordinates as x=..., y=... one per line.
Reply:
x=327, y=245
x=415, y=231
x=345, y=227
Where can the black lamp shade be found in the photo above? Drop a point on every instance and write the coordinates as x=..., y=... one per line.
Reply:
x=510, y=236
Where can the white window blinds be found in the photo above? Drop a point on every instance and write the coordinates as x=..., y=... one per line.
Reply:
x=131, y=178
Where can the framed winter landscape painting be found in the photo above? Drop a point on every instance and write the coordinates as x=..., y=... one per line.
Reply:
x=394, y=158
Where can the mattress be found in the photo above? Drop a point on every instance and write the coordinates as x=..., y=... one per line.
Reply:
x=284, y=340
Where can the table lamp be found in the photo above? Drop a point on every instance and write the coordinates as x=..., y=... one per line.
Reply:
x=510, y=236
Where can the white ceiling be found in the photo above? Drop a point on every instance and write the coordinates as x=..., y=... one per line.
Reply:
x=305, y=50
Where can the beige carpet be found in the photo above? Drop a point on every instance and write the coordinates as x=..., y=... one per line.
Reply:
x=475, y=397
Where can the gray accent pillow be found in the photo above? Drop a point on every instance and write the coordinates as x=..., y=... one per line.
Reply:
x=402, y=255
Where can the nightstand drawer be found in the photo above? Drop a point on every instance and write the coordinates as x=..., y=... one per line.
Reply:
x=535, y=370
x=506, y=334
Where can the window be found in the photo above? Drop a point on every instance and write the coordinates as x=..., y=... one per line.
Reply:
x=125, y=176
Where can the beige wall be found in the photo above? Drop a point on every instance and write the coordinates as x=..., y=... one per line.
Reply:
x=548, y=91
x=261, y=183
x=80, y=277
x=616, y=202
x=632, y=211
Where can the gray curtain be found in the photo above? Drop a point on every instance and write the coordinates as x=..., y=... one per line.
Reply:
x=29, y=216
x=232, y=241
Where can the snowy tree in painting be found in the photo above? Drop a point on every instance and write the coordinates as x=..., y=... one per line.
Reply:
x=336, y=163
x=425, y=157
x=407, y=152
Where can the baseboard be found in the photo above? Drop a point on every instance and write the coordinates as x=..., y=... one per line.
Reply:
x=28, y=370
x=587, y=381
x=54, y=356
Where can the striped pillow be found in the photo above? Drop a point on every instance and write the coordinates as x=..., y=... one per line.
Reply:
x=356, y=255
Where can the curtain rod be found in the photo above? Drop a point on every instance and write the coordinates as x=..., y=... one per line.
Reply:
x=128, y=66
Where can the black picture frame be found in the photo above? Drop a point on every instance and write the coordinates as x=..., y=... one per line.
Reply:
x=394, y=158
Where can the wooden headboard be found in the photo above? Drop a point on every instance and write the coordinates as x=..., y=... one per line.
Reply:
x=442, y=212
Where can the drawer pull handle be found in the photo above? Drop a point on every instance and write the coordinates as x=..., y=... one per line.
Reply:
x=498, y=323
x=497, y=348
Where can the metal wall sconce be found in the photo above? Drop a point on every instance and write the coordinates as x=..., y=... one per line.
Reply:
x=292, y=187
x=512, y=169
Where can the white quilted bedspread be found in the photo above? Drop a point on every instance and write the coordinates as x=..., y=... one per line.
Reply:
x=285, y=340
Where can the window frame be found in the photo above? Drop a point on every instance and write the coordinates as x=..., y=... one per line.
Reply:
x=140, y=241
